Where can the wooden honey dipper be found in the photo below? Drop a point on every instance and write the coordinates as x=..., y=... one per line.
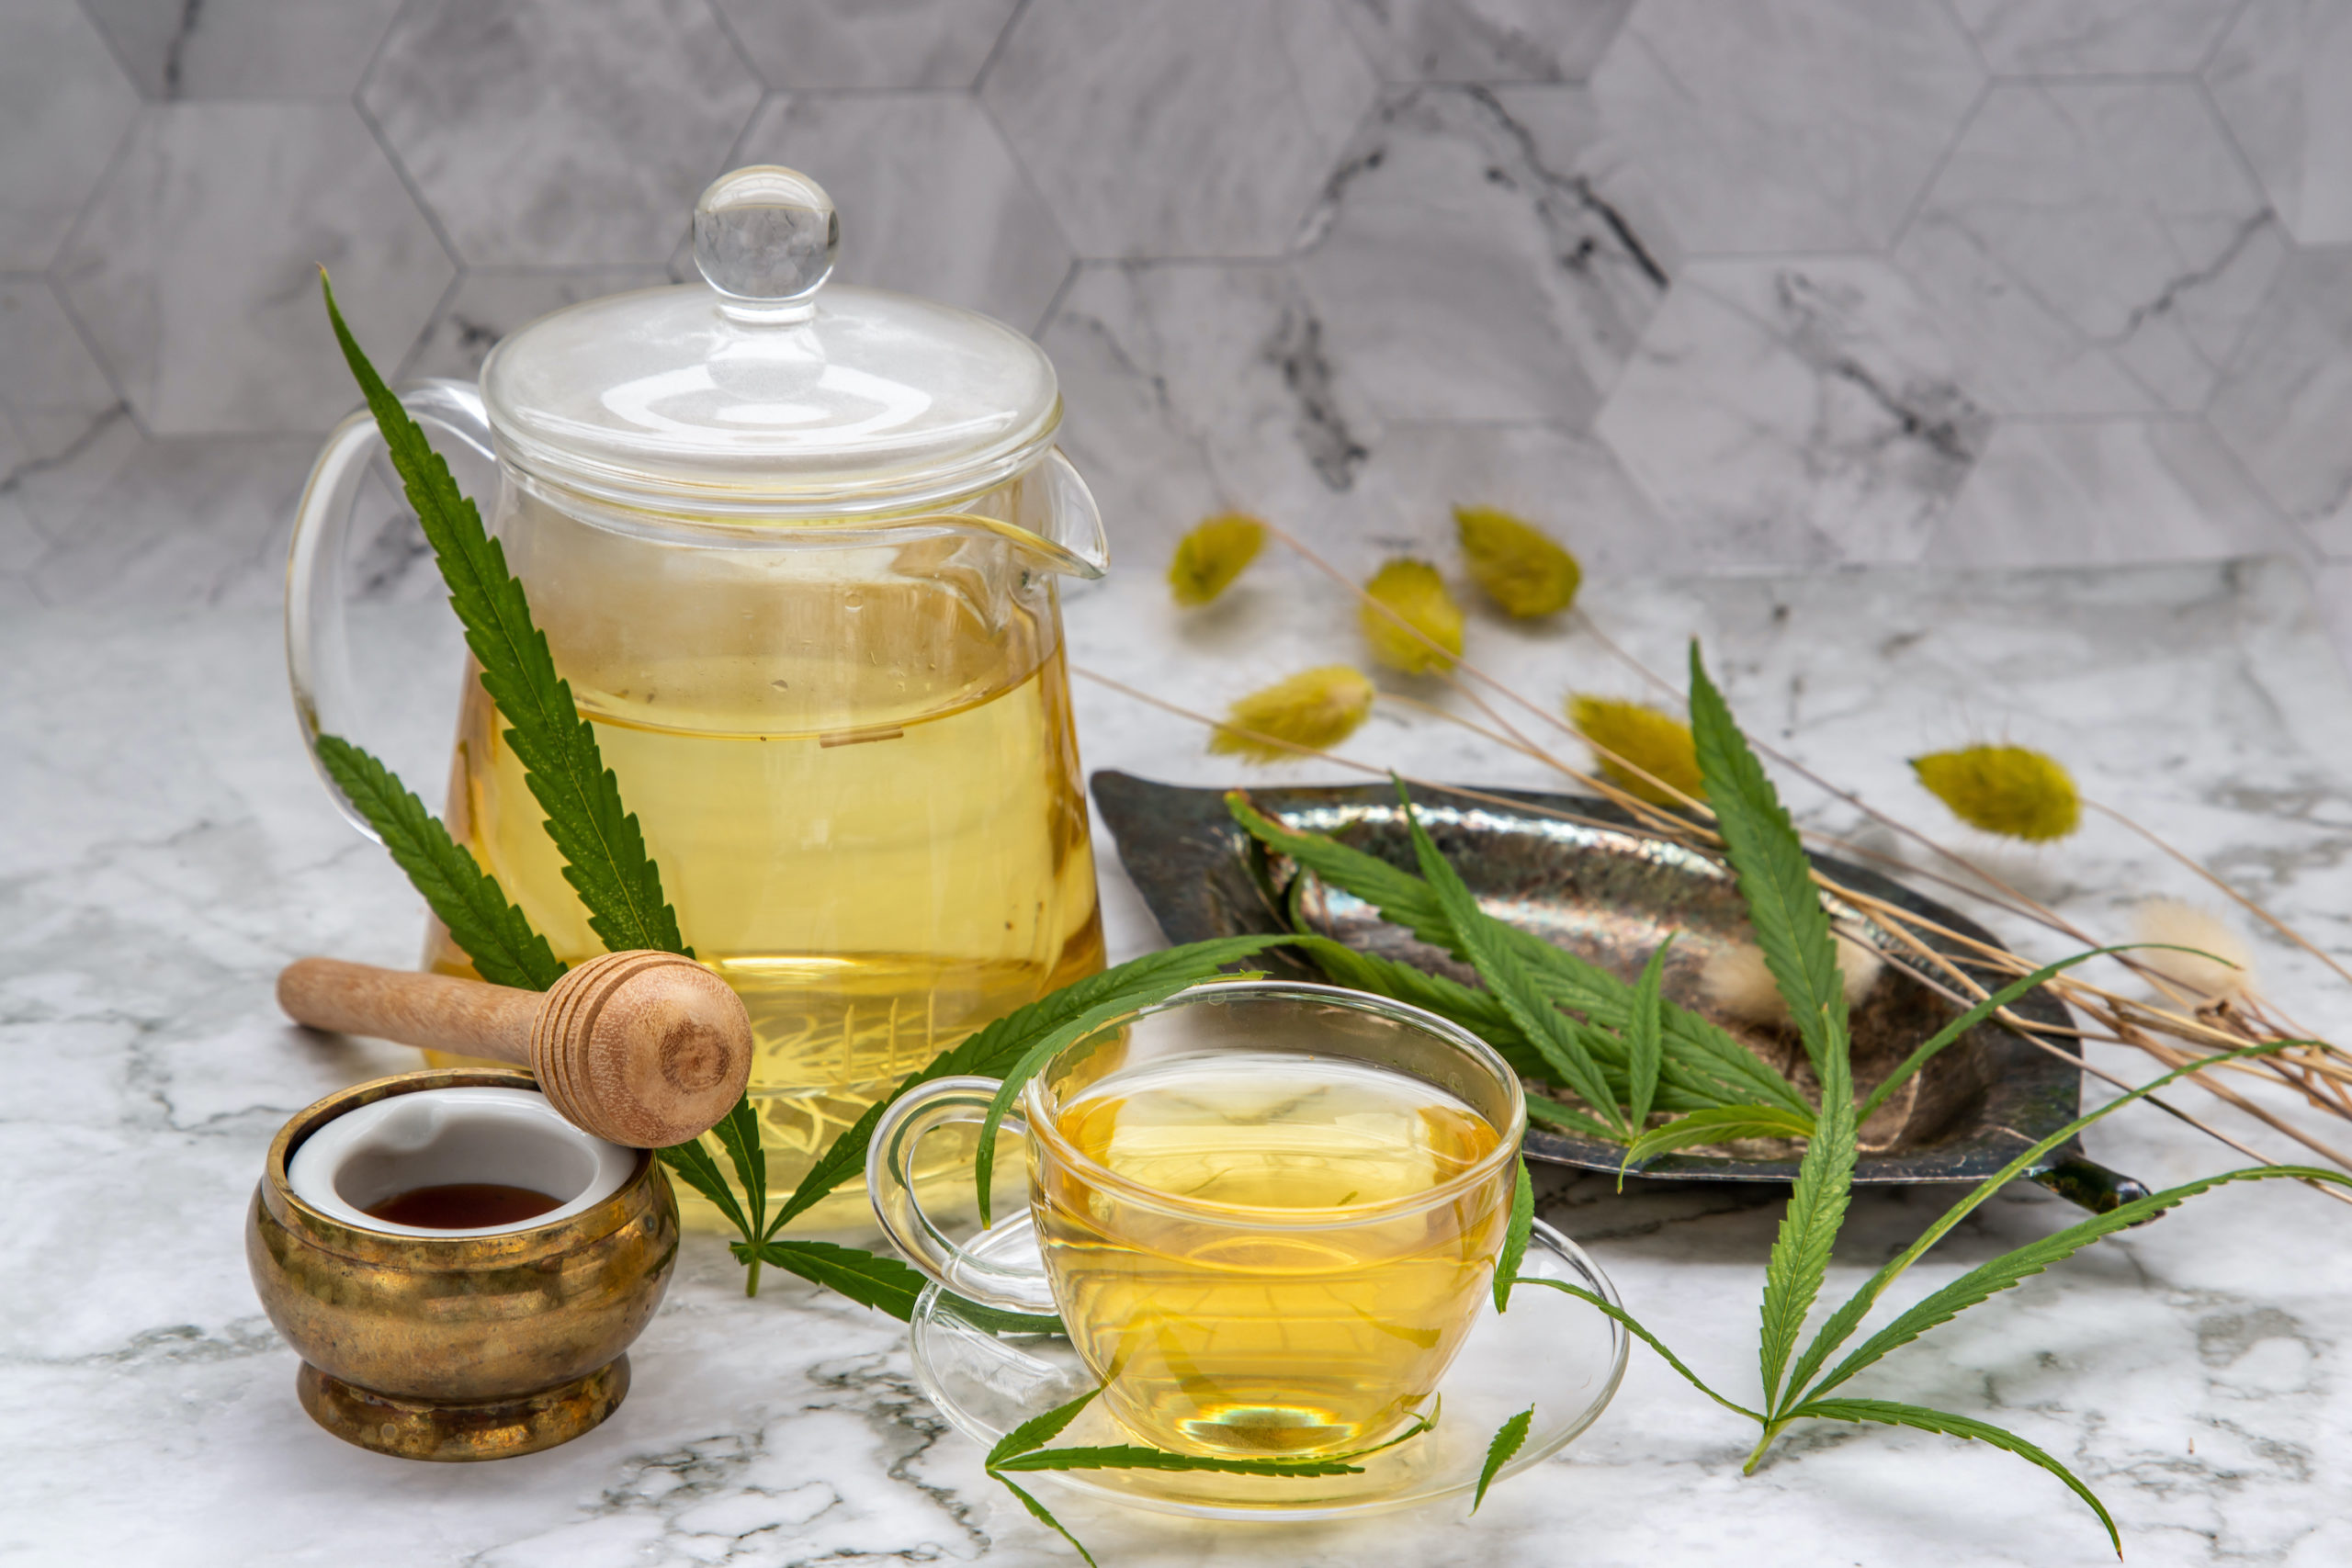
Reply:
x=644, y=1049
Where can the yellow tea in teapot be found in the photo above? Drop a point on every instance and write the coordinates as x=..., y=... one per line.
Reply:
x=1279, y=1310
x=864, y=798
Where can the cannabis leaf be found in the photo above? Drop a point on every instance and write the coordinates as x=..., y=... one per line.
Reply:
x=494, y=932
x=1114, y=994
x=1634, y=1327
x=604, y=852
x=1716, y=1124
x=1775, y=878
x=1023, y=1451
x=1768, y=859
x=1644, y=1035
x=1497, y=963
x=1701, y=1065
x=1506, y=1442
x=1515, y=1237
x=1954, y=1425
x=1918, y=1058
x=1793, y=930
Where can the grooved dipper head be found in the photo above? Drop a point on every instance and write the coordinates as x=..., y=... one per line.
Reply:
x=645, y=1049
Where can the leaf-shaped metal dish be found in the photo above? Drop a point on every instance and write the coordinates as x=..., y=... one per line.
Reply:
x=1609, y=891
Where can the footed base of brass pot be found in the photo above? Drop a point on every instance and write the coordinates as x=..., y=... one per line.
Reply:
x=459, y=1432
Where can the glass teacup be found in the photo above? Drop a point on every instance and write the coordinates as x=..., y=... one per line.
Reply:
x=1267, y=1211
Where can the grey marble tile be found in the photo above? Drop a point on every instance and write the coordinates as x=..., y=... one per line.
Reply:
x=1177, y=128
x=1785, y=125
x=64, y=429
x=243, y=48
x=1480, y=256
x=868, y=44
x=196, y=270
x=931, y=202
x=2280, y=80
x=2068, y=37
x=1806, y=410
x=2096, y=491
x=1484, y=40
x=65, y=105
x=2096, y=246
x=2332, y=585
x=195, y=521
x=487, y=305
x=2287, y=402
x=1195, y=388
x=560, y=131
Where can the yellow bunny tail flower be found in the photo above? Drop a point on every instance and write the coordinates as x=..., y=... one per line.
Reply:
x=1521, y=569
x=1210, y=557
x=1316, y=708
x=1655, y=743
x=2008, y=790
x=1413, y=591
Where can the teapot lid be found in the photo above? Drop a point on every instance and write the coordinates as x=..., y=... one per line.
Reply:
x=762, y=391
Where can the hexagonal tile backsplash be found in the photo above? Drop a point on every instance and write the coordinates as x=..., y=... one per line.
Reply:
x=1699, y=285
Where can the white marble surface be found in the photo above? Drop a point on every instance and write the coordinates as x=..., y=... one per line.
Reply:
x=2192, y=1371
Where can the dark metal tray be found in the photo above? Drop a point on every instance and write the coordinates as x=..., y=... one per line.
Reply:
x=1610, y=895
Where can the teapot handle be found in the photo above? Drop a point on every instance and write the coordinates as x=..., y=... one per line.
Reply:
x=319, y=561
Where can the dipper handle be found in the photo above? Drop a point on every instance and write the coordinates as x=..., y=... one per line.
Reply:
x=644, y=1049
x=438, y=1012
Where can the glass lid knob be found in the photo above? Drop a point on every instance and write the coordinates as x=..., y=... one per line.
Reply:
x=765, y=238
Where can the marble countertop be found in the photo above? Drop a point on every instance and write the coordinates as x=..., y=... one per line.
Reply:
x=165, y=849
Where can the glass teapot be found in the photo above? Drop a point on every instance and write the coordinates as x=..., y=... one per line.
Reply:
x=795, y=549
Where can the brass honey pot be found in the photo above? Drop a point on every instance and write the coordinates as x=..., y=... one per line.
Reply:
x=466, y=1347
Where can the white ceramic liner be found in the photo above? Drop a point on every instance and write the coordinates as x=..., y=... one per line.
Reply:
x=436, y=1136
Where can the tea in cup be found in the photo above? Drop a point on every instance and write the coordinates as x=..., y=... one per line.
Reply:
x=1267, y=1213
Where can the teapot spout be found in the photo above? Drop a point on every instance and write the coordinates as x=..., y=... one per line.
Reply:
x=1050, y=516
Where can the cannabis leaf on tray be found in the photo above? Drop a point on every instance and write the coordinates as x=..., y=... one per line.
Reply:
x=1793, y=929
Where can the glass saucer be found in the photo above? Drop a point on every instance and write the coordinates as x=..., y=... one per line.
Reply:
x=1549, y=1349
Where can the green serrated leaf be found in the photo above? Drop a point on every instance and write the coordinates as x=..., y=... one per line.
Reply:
x=1620, y=1316
x=1644, y=1037
x=1775, y=878
x=1023, y=1451
x=737, y=1132
x=1910, y=1065
x=493, y=931
x=1499, y=966
x=1141, y=985
x=1793, y=929
x=1037, y=1511
x=1131, y=1456
x=1847, y=1318
x=693, y=1164
x=1039, y=1430
x=1990, y=1279
x=864, y=1276
x=1541, y=1108
x=1718, y=1125
x=1000, y=1044
x=1702, y=1065
x=1516, y=1237
x=1949, y=1425
x=601, y=845
x=1508, y=1441
x=1800, y=1256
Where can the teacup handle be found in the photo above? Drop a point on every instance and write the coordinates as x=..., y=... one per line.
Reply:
x=889, y=1181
